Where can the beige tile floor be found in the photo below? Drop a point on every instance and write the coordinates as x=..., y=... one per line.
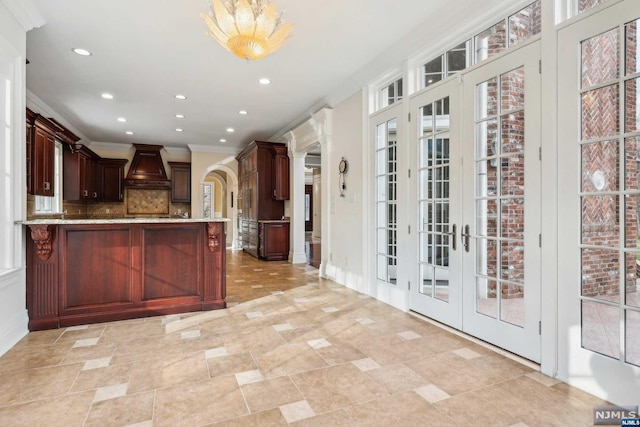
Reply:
x=292, y=350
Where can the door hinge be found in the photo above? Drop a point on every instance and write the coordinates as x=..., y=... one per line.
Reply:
x=409, y=227
x=409, y=173
x=539, y=240
x=409, y=285
x=409, y=116
x=540, y=66
x=540, y=153
x=539, y=327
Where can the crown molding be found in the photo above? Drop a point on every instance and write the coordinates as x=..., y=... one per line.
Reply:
x=25, y=13
x=177, y=149
x=209, y=149
x=111, y=146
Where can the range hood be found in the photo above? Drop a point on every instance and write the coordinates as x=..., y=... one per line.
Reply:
x=147, y=169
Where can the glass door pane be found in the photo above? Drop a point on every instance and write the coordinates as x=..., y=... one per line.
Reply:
x=434, y=198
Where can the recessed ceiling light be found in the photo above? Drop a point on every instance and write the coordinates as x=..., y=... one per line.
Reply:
x=223, y=140
x=179, y=130
x=129, y=132
x=180, y=96
x=107, y=96
x=180, y=116
x=231, y=130
x=264, y=81
x=243, y=112
x=81, y=52
x=122, y=119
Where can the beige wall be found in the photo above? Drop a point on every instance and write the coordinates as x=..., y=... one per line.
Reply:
x=346, y=213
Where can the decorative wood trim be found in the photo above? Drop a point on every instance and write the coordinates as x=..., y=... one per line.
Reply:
x=42, y=236
x=213, y=232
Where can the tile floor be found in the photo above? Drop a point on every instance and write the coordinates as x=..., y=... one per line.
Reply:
x=292, y=350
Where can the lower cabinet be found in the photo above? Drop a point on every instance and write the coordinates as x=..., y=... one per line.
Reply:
x=274, y=240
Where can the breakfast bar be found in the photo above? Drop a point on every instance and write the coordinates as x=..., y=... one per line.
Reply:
x=87, y=271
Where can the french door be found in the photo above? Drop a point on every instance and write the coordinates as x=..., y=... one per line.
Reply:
x=437, y=153
x=478, y=202
x=598, y=203
x=501, y=194
x=387, y=131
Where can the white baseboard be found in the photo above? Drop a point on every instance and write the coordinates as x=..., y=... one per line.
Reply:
x=13, y=331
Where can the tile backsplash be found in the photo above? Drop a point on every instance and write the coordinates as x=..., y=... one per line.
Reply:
x=150, y=203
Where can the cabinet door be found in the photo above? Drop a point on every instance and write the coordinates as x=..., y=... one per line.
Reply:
x=85, y=166
x=274, y=241
x=43, y=163
x=95, y=177
x=112, y=179
x=251, y=197
x=280, y=177
x=180, y=184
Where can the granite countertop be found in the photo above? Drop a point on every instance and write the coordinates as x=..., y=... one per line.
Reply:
x=273, y=220
x=119, y=221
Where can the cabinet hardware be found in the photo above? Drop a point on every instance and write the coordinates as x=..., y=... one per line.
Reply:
x=47, y=186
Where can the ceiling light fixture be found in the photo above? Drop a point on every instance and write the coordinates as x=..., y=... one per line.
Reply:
x=223, y=140
x=179, y=130
x=122, y=119
x=231, y=130
x=180, y=116
x=264, y=81
x=129, y=132
x=243, y=112
x=180, y=97
x=250, y=30
x=81, y=52
x=107, y=96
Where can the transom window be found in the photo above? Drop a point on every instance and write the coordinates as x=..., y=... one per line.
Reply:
x=391, y=94
x=510, y=31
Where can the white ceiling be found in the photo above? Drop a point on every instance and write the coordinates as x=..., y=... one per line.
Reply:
x=145, y=52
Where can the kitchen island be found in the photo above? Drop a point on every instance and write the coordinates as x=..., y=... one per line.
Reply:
x=87, y=271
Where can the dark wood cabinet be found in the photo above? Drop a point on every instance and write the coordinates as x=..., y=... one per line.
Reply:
x=43, y=145
x=275, y=240
x=112, y=179
x=280, y=175
x=261, y=198
x=180, y=182
x=79, y=175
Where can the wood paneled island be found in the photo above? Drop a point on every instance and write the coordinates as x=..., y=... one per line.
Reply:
x=87, y=271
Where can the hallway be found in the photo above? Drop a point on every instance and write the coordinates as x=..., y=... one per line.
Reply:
x=292, y=349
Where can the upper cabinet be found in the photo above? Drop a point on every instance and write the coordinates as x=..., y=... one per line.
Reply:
x=41, y=144
x=280, y=174
x=180, y=182
x=112, y=179
x=86, y=176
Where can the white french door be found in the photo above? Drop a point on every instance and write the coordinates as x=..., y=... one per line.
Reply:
x=501, y=198
x=477, y=188
x=387, y=132
x=599, y=202
x=436, y=187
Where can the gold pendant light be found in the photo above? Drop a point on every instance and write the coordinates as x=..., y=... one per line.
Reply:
x=250, y=30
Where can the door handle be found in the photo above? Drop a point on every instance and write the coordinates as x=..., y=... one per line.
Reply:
x=452, y=233
x=465, y=238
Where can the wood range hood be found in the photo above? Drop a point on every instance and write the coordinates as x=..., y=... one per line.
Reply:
x=147, y=169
